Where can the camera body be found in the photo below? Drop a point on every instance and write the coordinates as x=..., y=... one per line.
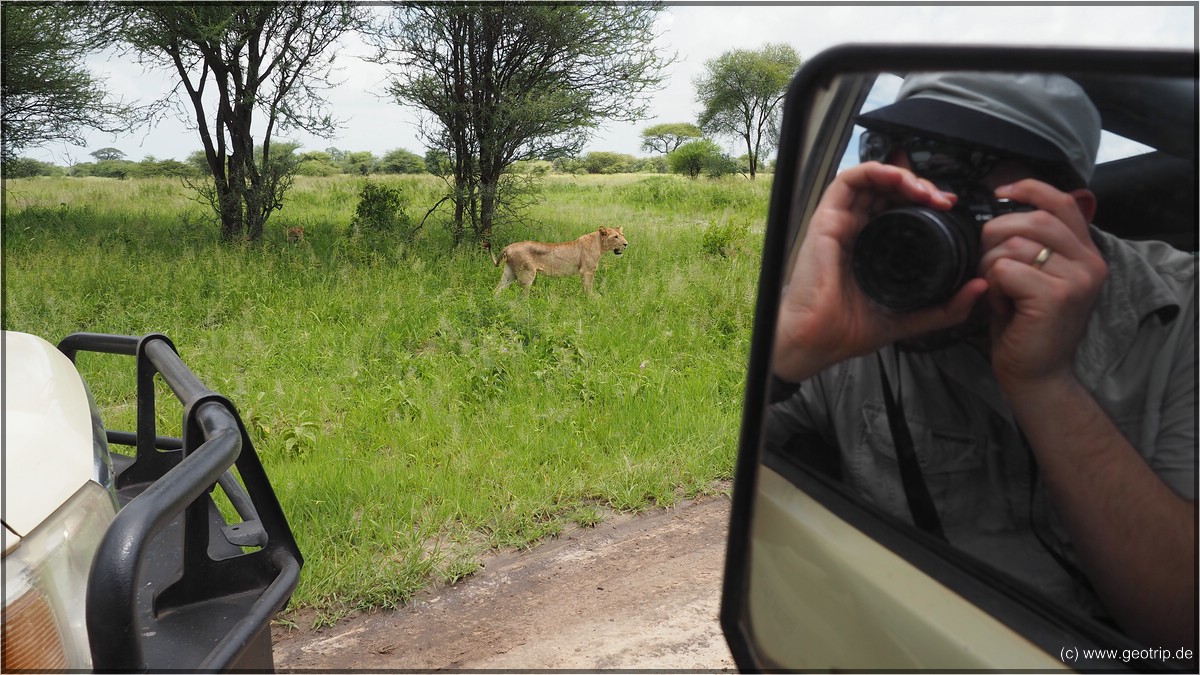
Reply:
x=911, y=257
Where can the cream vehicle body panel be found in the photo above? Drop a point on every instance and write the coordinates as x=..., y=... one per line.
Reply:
x=824, y=596
x=48, y=452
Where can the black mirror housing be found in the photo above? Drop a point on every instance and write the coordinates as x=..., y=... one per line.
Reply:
x=1127, y=87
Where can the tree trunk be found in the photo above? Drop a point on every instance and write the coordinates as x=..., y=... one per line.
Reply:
x=457, y=228
x=233, y=206
x=487, y=207
x=231, y=215
x=254, y=214
x=752, y=156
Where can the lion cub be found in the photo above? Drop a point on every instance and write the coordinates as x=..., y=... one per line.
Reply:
x=524, y=259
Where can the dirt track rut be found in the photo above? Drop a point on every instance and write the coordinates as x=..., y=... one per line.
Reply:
x=636, y=592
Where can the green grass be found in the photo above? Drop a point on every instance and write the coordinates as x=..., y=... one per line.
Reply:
x=410, y=420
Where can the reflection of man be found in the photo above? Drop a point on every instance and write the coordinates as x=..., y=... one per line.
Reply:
x=1051, y=401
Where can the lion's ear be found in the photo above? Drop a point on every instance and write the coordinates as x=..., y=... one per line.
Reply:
x=620, y=230
x=603, y=231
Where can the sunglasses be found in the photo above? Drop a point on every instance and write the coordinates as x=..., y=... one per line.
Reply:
x=928, y=158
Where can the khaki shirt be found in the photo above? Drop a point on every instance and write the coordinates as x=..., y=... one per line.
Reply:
x=1137, y=359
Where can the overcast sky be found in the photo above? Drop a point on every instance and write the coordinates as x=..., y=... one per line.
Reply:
x=695, y=33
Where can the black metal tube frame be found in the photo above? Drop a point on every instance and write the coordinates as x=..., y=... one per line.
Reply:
x=214, y=440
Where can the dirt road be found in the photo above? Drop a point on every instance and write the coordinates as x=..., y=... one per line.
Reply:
x=636, y=592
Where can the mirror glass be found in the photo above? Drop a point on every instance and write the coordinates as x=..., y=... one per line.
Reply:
x=1040, y=418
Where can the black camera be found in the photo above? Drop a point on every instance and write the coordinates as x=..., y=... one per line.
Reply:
x=911, y=257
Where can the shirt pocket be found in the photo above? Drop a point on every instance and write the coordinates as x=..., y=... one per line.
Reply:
x=951, y=457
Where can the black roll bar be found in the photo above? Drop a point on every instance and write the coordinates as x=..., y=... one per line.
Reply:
x=169, y=482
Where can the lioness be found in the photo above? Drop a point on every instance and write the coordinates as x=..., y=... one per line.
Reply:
x=524, y=259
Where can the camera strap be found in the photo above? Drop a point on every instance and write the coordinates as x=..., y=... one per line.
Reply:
x=920, y=502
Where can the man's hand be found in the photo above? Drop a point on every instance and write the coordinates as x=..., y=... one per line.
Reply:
x=1040, y=309
x=824, y=318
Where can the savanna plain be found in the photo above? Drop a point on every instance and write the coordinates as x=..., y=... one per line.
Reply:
x=411, y=420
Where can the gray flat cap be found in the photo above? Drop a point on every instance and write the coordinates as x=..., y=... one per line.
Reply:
x=1045, y=118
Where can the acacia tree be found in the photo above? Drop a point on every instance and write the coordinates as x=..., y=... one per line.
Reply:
x=429, y=43
x=107, y=154
x=507, y=82
x=236, y=61
x=48, y=95
x=666, y=138
x=741, y=94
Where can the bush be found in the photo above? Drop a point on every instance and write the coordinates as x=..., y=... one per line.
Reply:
x=380, y=209
x=361, y=163
x=170, y=168
x=658, y=191
x=690, y=159
x=656, y=164
x=317, y=163
x=720, y=164
x=24, y=167
x=726, y=239
x=608, y=162
x=438, y=163
x=402, y=161
x=316, y=167
x=570, y=165
x=108, y=168
x=532, y=167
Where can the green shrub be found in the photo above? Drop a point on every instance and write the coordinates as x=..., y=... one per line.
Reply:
x=402, y=161
x=608, y=162
x=317, y=167
x=438, y=163
x=570, y=165
x=719, y=165
x=380, y=209
x=726, y=239
x=24, y=167
x=702, y=156
x=532, y=167
x=657, y=191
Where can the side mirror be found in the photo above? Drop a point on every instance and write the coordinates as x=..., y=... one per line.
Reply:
x=821, y=575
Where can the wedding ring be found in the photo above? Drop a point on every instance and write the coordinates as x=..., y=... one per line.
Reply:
x=1042, y=256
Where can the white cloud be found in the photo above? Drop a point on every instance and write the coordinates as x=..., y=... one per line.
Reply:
x=698, y=33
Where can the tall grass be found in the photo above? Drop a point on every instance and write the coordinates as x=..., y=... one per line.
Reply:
x=411, y=420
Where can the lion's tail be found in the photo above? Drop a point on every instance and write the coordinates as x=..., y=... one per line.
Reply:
x=503, y=253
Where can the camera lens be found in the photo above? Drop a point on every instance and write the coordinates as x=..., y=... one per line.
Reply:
x=913, y=257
